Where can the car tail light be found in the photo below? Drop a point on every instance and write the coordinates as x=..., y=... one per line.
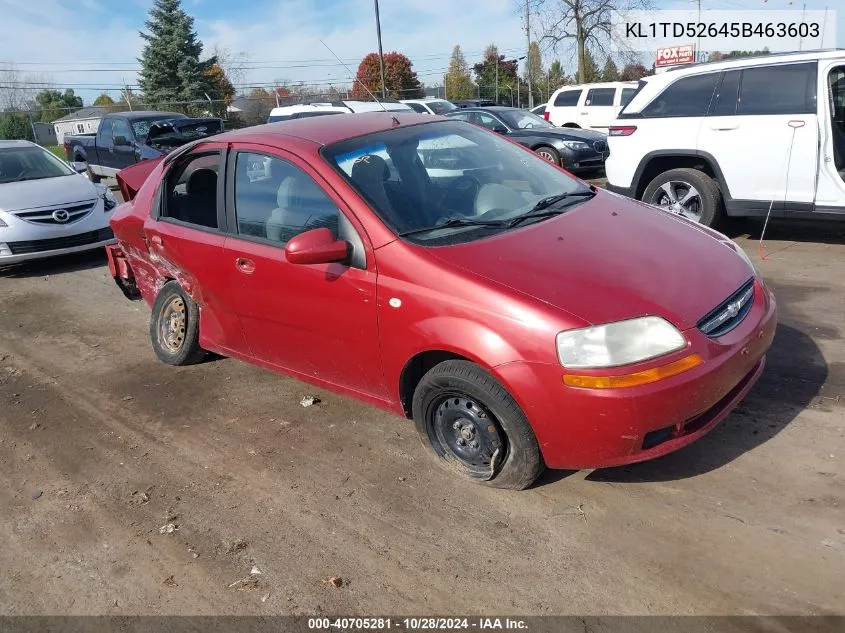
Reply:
x=546, y=115
x=622, y=130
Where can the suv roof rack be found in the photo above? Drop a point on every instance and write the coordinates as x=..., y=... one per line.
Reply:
x=766, y=55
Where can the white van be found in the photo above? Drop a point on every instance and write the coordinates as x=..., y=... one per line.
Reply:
x=593, y=106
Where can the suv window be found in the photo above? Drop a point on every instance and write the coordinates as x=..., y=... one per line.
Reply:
x=627, y=95
x=568, y=98
x=784, y=89
x=689, y=96
x=275, y=200
x=416, y=107
x=724, y=103
x=192, y=189
x=600, y=97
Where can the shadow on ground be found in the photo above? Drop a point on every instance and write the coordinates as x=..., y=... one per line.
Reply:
x=59, y=265
x=821, y=232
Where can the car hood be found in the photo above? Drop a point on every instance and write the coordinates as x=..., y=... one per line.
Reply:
x=563, y=133
x=32, y=194
x=610, y=259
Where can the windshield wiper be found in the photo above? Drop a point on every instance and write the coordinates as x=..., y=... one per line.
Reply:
x=541, y=209
x=452, y=222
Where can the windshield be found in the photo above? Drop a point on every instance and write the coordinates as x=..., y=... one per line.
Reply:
x=425, y=175
x=522, y=120
x=30, y=163
x=439, y=107
x=141, y=127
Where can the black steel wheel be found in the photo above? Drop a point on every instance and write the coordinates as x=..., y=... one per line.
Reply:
x=474, y=426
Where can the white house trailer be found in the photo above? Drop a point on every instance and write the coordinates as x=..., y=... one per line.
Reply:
x=82, y=121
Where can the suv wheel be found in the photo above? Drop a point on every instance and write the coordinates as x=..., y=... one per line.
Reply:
x=687, y=192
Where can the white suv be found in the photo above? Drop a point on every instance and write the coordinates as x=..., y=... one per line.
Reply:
x=592, y=106
x=430, y=105
x=302, y=110
x=737, y=138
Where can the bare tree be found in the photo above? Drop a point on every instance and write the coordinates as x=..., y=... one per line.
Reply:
x=234, y=65
x=586, y=23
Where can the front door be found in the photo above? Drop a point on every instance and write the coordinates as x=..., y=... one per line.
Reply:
x=830, y=195
x=123, y=153
x=765, y=117
x=316, y=320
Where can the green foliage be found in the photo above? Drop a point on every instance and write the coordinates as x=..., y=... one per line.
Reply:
x=591, y=71
x=104, y=100
x=15, y=125
x=399, y=76
x=486, y=70
x=556, y=77
x=458, y=80
x=58, y=150
x=610, y=72
x=54, y=104
x=171, y=70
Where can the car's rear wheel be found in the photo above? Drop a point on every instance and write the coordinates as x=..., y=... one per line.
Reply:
x=548, y=153
x=475, y=427
x=688, y=192
x=174, y=327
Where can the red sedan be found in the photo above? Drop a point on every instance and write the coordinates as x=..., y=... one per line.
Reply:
x=437, y=270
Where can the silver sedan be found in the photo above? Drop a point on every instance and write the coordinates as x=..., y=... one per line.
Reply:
x=47, y=208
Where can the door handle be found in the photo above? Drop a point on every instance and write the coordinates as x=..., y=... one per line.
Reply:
x=585, y=113
x=246, y=266
x=724, y=128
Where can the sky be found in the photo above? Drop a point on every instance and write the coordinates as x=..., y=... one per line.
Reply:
x=92, y=45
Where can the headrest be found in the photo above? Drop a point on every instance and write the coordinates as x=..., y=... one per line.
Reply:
x=370, y=168
x=201, y=180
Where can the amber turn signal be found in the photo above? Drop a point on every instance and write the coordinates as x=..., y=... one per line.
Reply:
x=632, y=380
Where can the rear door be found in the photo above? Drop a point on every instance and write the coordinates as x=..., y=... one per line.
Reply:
x=598, y=111
x=563, y=111
x=185, y=234
x=315, y=320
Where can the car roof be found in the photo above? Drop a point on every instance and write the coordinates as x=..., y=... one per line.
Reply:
x=325, y=130
x=604, y=84
x=671, y=74
x=16, y=143
x=490, y=109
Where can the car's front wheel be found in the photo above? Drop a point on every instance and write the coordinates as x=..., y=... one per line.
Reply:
x=548, y=153
x=174, y=327
x=688, y=192
x=475, y=427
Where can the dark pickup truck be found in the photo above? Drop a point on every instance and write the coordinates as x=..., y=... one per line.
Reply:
x=125, y=138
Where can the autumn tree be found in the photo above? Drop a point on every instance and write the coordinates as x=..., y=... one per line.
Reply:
x=458, y=82
x=585, y=23
x=258, y=104
x=633, y=72
x=399, y=76
x=493, y=70
x=220, y=90
x=610, y=72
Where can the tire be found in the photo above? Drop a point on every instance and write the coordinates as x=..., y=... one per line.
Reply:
x=548, y=153
x=571, y=125
x=174, y=327
x=711, y=207
x=455, y=384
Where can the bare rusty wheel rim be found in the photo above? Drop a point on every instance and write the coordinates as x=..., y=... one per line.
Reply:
x=172, y=325
x=547, y=155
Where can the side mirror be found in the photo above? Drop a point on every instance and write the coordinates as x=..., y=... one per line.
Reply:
x=317, y=246
x=500, y=129
x=79, y=167
x=120, y=140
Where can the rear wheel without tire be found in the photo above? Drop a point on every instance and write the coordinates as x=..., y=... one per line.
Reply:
x=174, y=327
x=475, y=427
x=548, y=153
x=688, y=192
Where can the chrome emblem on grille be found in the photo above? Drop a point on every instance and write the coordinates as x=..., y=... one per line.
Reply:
x=730, y=311
x=61, y=216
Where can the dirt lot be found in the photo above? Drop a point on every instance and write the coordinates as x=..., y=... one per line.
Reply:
x=101, y=446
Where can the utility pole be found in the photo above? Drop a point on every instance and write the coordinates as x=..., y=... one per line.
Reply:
x=380, y=53
x=497, y=77
x=801, y=39
x=528, y=55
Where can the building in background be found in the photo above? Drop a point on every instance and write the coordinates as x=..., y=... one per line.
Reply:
x=83, y=121
x=45, y=133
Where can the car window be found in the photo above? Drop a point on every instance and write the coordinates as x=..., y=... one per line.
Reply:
x=785, y=89
x=275, y=200
x=724, y=101
x=30, y=162
x=121, y=128
x=522, y=120
x=689, y=96
x=568, y=98
x=448, y=170
x=485, y=120
x=600, y=97
x=460, y=116
x=627, y=95
x=417, y=107
x=439, y=107
x=191, y=194
x=105, y=130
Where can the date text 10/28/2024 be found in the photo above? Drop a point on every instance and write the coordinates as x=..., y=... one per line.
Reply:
x=416, y=624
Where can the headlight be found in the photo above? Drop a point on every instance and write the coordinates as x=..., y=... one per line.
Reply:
x=575, y=145
x=620, y=343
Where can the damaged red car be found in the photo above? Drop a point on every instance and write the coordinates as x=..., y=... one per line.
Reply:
x=519, y=316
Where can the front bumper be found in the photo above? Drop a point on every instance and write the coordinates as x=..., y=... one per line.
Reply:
x=39, y=249
x=596, y=428
x=582, y=159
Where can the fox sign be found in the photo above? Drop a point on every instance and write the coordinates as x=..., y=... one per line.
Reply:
x=673, y=55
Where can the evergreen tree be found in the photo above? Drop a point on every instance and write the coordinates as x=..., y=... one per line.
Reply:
x=54, y=104
x=591, y=72
x=556, y=77
x=610, y=72
x=458, y=81
x=171, y=70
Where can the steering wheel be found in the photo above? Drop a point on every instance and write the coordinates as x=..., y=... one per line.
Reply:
x=463, y=185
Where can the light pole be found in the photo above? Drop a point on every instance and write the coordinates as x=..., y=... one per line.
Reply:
x=380, y=53
x=528, y=55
